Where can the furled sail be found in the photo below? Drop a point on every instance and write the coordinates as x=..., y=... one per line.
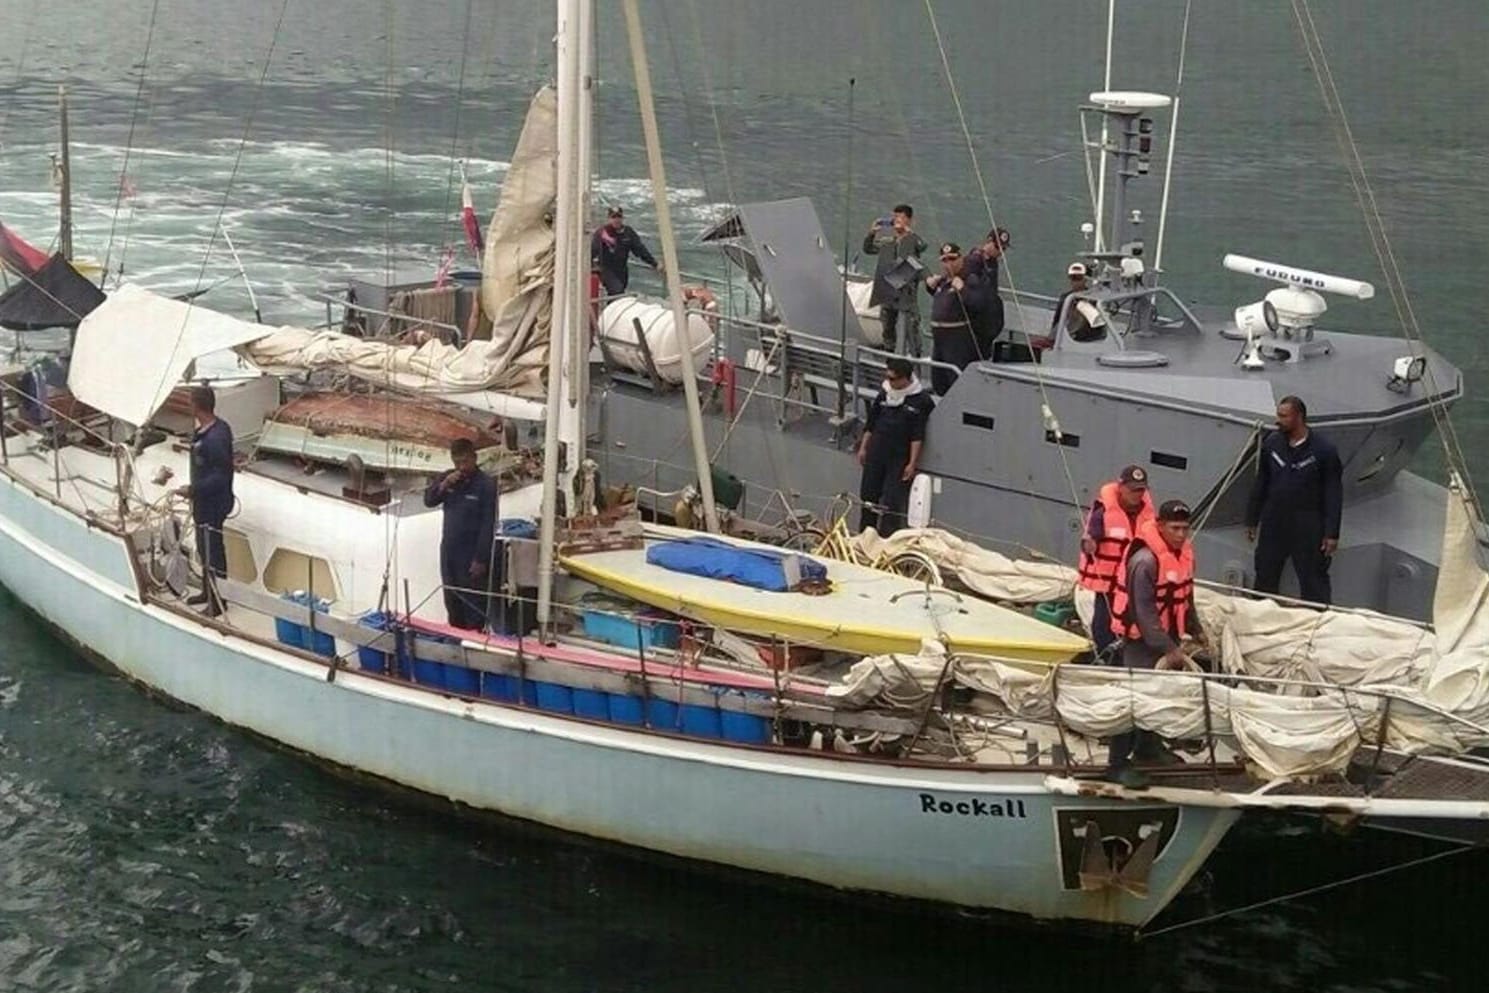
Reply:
x=1438, y=678
x=516, y=294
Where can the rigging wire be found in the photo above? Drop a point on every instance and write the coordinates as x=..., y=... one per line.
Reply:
x=459, y=107
x=388, y=102
x=129, y=140
x=687, y=104
x=133, y=203
x=713, y=105
x=31, y=11
x=1173, y=139
x=987, y=203
x=1312, y=890
x=1380, y=241
x=227, y=192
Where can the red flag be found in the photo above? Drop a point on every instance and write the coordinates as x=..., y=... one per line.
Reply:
x=468, y=218
x=19, y=255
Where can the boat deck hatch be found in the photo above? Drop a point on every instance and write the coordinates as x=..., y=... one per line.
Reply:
x=1132, y=359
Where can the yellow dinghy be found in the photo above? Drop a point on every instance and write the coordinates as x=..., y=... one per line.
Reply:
x=866, y=612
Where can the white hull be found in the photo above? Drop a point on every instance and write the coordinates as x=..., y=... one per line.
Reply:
x=979, y=839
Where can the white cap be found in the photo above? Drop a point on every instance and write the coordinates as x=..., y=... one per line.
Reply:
x=1076, y=269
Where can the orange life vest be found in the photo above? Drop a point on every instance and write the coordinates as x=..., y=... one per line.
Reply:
x=1098, y=572
x=1174, y=589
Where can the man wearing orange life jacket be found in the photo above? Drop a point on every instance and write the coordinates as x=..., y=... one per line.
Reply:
x=1152, y=611
x=1120, y=509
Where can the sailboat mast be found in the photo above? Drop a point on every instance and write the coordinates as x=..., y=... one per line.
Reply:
x=578, y=358
x=64, y=229
x=669, y=259
x=561, y=331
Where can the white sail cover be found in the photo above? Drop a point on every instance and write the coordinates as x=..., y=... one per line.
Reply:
x=995, y=576
x=133, y=349
x=1439, y=681
x=516, y=293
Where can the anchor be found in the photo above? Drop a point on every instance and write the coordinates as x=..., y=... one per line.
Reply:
x=1099, y=870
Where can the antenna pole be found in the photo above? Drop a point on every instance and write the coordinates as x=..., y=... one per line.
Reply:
x=64, y=231
x=669, y=258
x=847, y=245
x=1173, y=141
x=1111, y=25
x=253, y=300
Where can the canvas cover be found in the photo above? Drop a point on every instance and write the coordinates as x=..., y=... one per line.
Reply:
x=1346, y=663
x=133, y=349
x=54, y=296
x=760, y=569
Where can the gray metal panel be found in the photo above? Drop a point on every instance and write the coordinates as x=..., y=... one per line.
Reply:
x=798, y=264
x=1164, y=385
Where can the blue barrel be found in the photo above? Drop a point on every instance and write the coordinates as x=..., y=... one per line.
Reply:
x=287, y=631
x=551, y=696
x=319, y=642
x=626, y=709
x=428, y=673
x=592, y=704
x=371, y=659
x=662, y=714
x=496, y=686
x=701, y=722
x=746, y=728
x=461, y=680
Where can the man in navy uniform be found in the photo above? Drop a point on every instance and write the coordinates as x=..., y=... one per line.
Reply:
x=468, y=555
x=211, y=493
x=610, y=251
x=1297, y=501
x=889, y=449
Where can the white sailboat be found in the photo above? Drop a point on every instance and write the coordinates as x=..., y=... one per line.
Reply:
x=687, y=751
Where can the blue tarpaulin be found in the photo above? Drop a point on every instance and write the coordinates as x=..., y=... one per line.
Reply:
x=761, y=569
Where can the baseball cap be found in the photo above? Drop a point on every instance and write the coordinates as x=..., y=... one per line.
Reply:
x=1000, y=235
x=1135, y=476
x=1173, y=510
x=1076, y=269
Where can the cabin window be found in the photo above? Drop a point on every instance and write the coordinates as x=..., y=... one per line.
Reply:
x=240, y=563
x=1067, y=439
x=289, y=570
x=972, y=420
x=1180, y=462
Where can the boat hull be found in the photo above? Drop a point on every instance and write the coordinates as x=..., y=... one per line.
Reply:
x=985, y=839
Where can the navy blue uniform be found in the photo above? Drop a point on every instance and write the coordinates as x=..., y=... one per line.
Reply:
x=211, y=492
x=891, y=429
x=955, y=317
x=1297, y=501
x=467, y=540
x=981, y=273
x=610, y=255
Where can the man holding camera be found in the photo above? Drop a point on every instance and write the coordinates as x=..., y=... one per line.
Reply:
x=895, y=242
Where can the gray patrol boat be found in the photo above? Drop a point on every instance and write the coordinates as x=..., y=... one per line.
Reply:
x=1124, y=372
x=1017, y=448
